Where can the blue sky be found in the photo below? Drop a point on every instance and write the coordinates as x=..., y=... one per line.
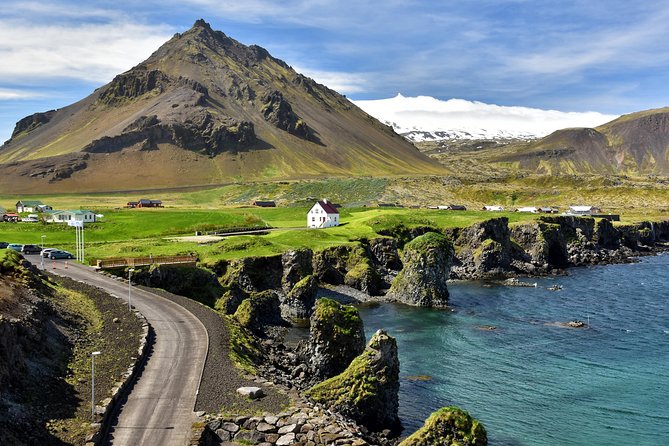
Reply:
x=608, y=56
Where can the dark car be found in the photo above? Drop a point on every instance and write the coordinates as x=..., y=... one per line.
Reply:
x=58, y=254
x=31, y=249
x=3, y=245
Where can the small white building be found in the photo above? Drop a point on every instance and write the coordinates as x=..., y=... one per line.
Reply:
x=322, y=215
x=583, y=210
x=68, y=216
x=31, y=206
x=530, y=209
x=493, y=208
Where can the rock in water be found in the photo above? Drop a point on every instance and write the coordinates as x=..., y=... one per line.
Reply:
x=449, y=426
x=367, y=391
x=336, y=337
x=427, y=263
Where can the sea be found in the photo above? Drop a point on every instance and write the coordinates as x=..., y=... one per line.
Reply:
x=502, y=354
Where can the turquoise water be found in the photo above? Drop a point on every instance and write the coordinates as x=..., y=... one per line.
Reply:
x=534, y=383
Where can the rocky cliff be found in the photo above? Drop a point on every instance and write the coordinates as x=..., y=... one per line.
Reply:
x=449, y=426
x=367, y=391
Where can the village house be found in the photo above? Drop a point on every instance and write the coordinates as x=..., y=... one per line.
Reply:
x=146, y=203
x=31, y=206
x=549, y=210
x=530, y=209
x=583, y=210
x=72, y=215
x=449, y=207
x=493, y=208
x=323, y=214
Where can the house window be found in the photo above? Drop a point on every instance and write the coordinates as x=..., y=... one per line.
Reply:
x=313, y=218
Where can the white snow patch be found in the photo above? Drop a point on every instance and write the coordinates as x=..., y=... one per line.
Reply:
x=426, y=118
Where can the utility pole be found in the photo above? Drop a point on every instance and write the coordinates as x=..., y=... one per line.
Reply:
x=93, y=355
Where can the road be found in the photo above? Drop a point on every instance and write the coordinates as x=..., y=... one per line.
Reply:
x=159, y=409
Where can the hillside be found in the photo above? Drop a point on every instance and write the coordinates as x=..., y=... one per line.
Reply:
x=203, y=109
x=636, y=144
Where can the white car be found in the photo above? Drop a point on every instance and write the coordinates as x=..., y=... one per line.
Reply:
x=45, y=252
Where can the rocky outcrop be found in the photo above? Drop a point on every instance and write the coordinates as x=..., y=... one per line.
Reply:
x=278, y=111
x=299, y=302
x=349, y=265
x=367, y=391
x=449, y=426
x=253, y=274
x=336, y=336
x=30, y=123
x=483, y=250
x=606, y=235
x=427, y=262
x=297, y=264
x=259, y=311
x=542, y=247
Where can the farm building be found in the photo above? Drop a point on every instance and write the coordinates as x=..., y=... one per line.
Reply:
x=323, y=214
x=68, y=216
x=31, y=206
x=493, y=208
x=264, y=204
x=583, y=210
x=530, y=209
x=146, y=203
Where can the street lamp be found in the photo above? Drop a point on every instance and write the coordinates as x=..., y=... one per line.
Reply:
x=41, y=256
x=93, y=355
x=130, y=271
x=43, y=237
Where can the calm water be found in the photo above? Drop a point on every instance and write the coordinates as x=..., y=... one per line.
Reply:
x=532, y=383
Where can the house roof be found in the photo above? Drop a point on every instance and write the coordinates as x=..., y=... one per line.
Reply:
x=72, y=211
x=581, y=208
x=328, y=207
x=31, y=203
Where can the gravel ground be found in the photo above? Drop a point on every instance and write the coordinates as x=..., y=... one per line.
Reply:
x=221, y=379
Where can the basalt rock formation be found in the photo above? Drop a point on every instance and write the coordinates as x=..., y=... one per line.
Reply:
x=449, y=426
x=427, y=263
x=367, y=391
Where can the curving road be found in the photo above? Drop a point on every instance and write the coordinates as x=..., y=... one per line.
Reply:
x=159, y=409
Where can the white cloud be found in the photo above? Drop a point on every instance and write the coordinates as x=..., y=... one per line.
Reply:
x=86, y=51
x=7, y=94
x=344, y=83
x=424, y=113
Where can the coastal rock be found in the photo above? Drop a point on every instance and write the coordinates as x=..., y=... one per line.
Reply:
x=449, y=426
x=259, y=311
x=367, y=391
x=483, y=250
x=253, y=274
x=384, y=253
x=301, y=299
x=543, y=243
x=297, y=264
x=607, y=235
x=348, y=265
x=423, y=281
x=336, y=337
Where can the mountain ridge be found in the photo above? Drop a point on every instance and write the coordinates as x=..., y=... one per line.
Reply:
x=204, y=108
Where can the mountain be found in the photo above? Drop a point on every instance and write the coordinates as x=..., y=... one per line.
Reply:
x=203, y=109
x=424, y=118
x=634, y=144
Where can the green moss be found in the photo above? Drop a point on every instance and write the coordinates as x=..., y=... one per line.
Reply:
x=356, y=383
x=245, y=351
x=449, y=426
x=346, y=319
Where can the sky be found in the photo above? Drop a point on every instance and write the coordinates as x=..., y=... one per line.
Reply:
x=607, y=56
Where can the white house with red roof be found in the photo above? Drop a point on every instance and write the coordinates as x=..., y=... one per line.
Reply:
x=323, y=214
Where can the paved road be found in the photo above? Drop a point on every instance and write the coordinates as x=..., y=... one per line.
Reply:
x=159, y=410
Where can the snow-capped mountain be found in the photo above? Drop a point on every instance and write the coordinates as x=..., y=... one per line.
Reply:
x=425, y=118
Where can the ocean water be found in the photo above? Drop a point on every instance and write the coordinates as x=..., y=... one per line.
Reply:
x=534, y=383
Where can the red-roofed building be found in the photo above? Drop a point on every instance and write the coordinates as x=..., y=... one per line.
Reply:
x=323, y=214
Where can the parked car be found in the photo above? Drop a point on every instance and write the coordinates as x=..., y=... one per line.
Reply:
x=3, y=245
x=15, y=247
x=58, y=254
x=31, y=249
x=46, y=251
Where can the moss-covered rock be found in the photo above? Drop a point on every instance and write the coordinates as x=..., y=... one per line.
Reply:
x=607, y=235
x=195, y=282
x=301, y=299
x=483, y=249
x=336, y=337
x=427, y=263
x=367, y=391
x=259, y=310
x=254, y=274
x=449, y=426
x=543, y=243
x=231, y=299
x=297, y=264
x=347, y=264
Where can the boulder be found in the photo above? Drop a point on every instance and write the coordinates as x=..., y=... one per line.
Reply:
x=367, y=391
x=251, y=392
x=427, y=262
x=449, y=426
x=336, y=337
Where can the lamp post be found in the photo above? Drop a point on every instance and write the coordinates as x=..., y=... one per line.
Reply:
x=93, y=355
x=43, y=237
x=41, y=256
x=130, y=271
